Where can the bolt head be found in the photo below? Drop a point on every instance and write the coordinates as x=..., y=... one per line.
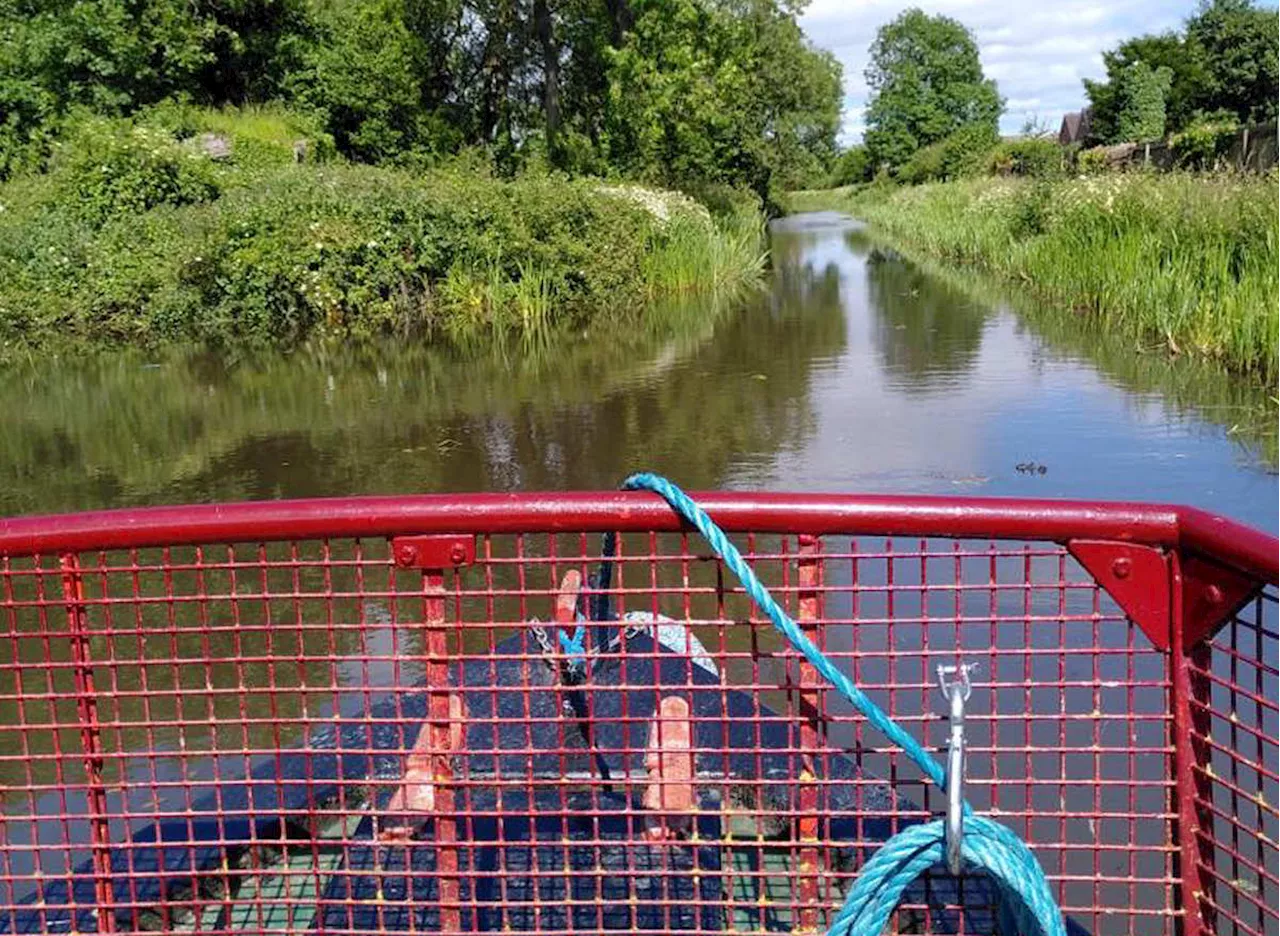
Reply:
x=405, y=555
x=1121, y=567
x=1213, y=594
x=458, y=554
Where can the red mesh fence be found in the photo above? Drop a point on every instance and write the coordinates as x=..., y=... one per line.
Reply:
x=335, y=734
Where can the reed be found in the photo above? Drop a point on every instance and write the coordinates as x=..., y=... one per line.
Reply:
x=694, y=253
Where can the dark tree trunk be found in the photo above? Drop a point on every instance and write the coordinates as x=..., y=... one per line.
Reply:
x=620, y=20
x=543, y=26
x=496, y=75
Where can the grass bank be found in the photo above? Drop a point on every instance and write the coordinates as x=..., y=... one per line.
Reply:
x=185, y=226
x=1181, y=261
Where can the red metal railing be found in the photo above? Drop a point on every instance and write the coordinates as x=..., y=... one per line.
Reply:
x=341, y=716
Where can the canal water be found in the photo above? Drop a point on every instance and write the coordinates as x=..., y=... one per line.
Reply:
x=852, y=370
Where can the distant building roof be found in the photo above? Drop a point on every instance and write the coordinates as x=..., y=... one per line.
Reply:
x=1075, y=126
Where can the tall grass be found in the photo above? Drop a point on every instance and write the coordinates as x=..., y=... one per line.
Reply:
x=694, y=254
x=1181, y=261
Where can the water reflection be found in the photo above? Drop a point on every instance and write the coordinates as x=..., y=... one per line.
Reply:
x=690, y=390
x=928, y=333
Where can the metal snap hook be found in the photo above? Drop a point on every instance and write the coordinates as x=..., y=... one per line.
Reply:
x=957, y=692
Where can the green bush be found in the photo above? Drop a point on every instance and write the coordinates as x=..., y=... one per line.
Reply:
x=1031, y=211
x=1091, y=161
x=335, y=250
x=725, y=202
x=926, y=164
x=1205, y=140
x=108, y=167
x=1037, y=158
x=964, y=153
x=852, y=167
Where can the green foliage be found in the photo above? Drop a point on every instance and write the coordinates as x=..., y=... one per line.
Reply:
x=1140, y=95
x=369, y=77
x=1207, y=138
x=1223, y=60
x=1034, y=157
x=852, y=167
x=113, y=56
x=1238, y=42
x=1031, y=213
x=1168, y=50
x=671, y=90
x=259, y=135
x=700, y=92
x=148, y=254
x=964, y=153
x=1092, y=161
x=926, y=84
x=1190, y=262
x=927, y=164
x=113, y=167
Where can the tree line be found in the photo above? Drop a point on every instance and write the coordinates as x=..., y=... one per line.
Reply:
x=1221, y=67
x=678, y=92
x=932, y=112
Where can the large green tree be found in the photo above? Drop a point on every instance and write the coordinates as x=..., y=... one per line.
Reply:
x=730, y=92
x=926, y=83
x=1238, y=43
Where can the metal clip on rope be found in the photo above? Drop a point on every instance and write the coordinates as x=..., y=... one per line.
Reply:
x=956, y=692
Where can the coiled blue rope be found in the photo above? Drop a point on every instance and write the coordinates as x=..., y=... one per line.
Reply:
x=904, y=857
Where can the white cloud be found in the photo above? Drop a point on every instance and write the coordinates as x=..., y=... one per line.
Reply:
x=1038, y=52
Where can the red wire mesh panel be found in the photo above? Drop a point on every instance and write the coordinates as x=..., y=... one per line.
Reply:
x=1233, y=729
x=559, y=733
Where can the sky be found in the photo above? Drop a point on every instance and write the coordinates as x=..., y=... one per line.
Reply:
x=1037, y=50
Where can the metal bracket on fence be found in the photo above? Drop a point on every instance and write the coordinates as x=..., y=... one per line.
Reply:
x=956, y=688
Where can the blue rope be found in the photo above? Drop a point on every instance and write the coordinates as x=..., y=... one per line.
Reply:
x=904, y=857
x=572, y=646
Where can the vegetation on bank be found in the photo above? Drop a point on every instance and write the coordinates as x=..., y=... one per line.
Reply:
x=269, y=169
x=1180, y=261
x=135, y=234
x=1219, y=69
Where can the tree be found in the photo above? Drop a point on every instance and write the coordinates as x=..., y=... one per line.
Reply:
x=1238, y=44
x=720, y=92
x=1140, y=102
x=371, y=77
x=851, y=167
x=926, y=82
